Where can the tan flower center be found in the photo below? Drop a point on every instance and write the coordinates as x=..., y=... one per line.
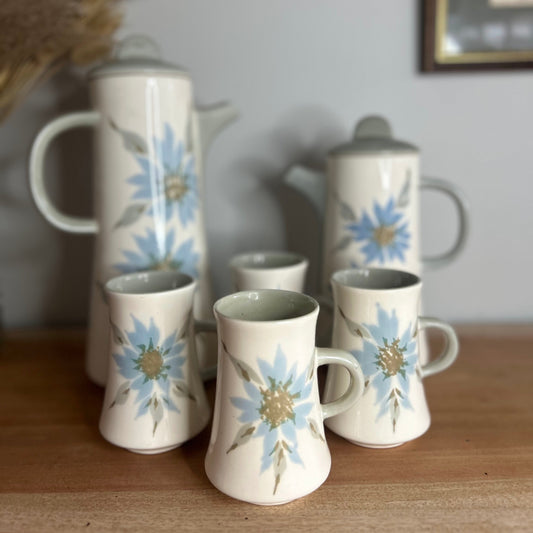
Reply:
x=151, y=363
x=384, y=235
x=163, y=264
x=175, y=187
x=277, y=406
x=390, y=358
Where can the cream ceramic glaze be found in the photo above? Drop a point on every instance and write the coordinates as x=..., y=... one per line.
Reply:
x=369, y=200
x=376, y=319
x=149, y=147
x=269, y=270
x=267, y=442
x=154, y=399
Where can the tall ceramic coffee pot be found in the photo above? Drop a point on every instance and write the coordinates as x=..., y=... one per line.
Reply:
x=150, y=145
x=369, y=200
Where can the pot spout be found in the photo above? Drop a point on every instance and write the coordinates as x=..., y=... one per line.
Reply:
x=311, y=184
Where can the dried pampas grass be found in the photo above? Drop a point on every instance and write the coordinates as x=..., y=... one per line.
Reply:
x=37, y=37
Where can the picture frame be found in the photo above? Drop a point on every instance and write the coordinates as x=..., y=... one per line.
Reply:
x=469, y=35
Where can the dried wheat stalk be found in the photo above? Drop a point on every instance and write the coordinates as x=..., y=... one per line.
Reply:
x=37, y=37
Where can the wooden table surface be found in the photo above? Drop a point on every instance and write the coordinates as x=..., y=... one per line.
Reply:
x=472, y=471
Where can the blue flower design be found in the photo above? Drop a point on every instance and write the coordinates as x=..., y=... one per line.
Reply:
x=388, y=360
x=168, y=179
x=275, y=409
x=155, y=252
x=386, y=237
x=150, y=366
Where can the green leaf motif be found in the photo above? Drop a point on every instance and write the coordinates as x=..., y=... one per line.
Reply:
x=182, y=332
x=342, y=244
x=157, y=411
x=244, y=370
x=131, y=214
x=118, y=336
x=122, y=394
x=313, y=428
x=279, y=462
x=244, y=434
x=181, y=389
x=132, y=141
x=347, y=212
x=356, y=329
x=404, y=198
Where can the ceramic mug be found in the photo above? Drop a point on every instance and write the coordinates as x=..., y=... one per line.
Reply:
x=267, y=443
x=269, y=270
x=154, y=398
x=376, y=319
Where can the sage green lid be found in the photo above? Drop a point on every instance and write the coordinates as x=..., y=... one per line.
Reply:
x=137, y=54
x=373, y=135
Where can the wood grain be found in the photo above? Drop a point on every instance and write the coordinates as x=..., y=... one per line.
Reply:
x=473, y=470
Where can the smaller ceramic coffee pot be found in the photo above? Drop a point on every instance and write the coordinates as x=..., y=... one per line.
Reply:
x=369, y=200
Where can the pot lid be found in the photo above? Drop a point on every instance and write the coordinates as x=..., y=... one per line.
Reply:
x=137, y=54
x=373, y=134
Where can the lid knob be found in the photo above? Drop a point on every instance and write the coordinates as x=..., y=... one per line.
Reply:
x=137, y=47
x=373, y=126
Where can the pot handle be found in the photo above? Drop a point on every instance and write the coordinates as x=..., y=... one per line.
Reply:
x=461, y=204
x=37, y=157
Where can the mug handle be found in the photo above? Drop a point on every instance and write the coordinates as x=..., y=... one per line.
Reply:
x=448, y=355
x=37, y=157
x=206, y=326
x=461, y=204
x=332, y=356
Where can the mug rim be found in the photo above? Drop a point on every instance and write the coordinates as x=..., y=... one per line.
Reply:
x=172, y=280
x=237, y=261
x=245, y=295
x=408, y=280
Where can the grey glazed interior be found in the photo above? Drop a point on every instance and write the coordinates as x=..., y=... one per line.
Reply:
x=265, y=305
x=266, y=260
x=148, y=282
x=376, y=278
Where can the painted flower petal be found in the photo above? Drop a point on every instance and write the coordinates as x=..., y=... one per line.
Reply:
x=280, y=364
x=388, y=324
x=301, y=411
x=269, y=442
x=373, y=252
x=175, y=365
x=366, y=361
x=248, y=408
x=143, y=385
x=143, y=407
x=253, y=392
x=266, y=370
x=126, y=366
x=382, y=385
x=153, y=333
x=261, y=430
x=294, y=456
x=139, y=335
x=289, y=430
x=298, y=382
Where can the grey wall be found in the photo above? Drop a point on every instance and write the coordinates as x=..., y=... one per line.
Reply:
x=302, y=72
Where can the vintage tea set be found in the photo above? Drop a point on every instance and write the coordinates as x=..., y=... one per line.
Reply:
x=150, y=270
